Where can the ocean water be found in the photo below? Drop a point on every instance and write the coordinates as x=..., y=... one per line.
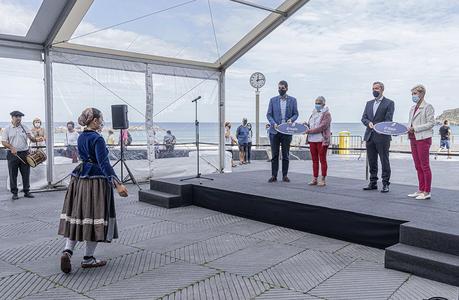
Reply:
x=185, y=132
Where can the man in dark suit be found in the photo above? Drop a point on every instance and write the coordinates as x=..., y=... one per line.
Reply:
x=282, y=109
x=378, y=110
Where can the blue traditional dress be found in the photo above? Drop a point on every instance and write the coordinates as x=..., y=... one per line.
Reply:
x=89, y=207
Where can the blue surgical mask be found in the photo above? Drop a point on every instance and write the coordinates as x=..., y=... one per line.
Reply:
x=415, y=98
x=318, y=107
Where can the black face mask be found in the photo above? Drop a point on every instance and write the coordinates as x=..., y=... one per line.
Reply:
x=376, y=94
x=282, y=92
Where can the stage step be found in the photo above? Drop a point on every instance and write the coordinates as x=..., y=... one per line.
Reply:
x=422, y=262
x=178, y=188
x=160, y=198
x=434, y=237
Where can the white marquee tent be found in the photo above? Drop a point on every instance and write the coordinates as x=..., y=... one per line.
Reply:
x=49, y=40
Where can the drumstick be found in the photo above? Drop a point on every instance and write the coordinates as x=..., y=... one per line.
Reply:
x=21, y=159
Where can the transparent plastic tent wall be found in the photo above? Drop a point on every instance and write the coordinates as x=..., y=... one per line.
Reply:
x=154, y=87
x=153, y=94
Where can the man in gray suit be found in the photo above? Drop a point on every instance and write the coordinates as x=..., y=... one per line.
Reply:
x=379, y=109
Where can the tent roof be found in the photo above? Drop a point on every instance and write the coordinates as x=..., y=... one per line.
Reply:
x=57, y=21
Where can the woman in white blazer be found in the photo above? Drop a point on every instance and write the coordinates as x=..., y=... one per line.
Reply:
x=420, y=132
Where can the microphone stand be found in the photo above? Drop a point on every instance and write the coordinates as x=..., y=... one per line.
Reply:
x=196, y=124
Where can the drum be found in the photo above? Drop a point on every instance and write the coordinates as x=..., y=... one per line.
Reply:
x=35, y=158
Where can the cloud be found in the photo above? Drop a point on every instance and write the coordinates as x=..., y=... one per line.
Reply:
x=335, y=48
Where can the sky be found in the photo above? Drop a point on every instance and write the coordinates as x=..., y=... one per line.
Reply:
x=334, y=48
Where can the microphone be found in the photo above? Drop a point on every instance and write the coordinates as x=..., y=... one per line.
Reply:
x=196, y=99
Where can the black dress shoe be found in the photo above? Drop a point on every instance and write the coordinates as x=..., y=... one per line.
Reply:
x=15, y=197
x=29, y=195
x=385, y=189
x=272, y=179
x=285, y=179
x=370, y=187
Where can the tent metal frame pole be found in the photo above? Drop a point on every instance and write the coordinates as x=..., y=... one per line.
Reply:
x=221, y=119
x=149, y=124
x=48, y=82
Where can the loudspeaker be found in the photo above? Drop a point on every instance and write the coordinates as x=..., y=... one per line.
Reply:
x=120, y=116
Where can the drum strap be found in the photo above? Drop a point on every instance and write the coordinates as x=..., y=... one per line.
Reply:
x=24, y=133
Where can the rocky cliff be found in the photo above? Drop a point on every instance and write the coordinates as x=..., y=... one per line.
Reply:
x=452, y=115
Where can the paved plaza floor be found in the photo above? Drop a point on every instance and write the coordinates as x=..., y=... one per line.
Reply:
x=195, y=253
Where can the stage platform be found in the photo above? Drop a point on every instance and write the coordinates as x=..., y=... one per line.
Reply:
x=420, y=237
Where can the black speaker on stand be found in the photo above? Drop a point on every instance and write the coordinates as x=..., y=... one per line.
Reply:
x=120, y=121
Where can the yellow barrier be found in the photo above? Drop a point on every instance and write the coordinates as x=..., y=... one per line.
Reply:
x=344, y=141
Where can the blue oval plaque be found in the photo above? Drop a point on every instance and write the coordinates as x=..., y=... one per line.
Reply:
x=293, y=128
x=390, y=128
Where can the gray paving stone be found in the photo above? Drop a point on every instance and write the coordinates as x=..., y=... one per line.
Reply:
x=420, y=288
x=363, y=252
x=317, y=242
x=50, y=265
x=305, y=270
x=146, y=210
x=279, y=234
x=361, y=280
x=213, y=248
x=214, y=221
x=14, y=219
x=18, y=229
x=154, y=284
x=132, y=220
x=188, y=214
x=140, y=233
x=7, y=213
x=7, y=269
x=221, y=286
x=27, y=239
x=116, y=270
x=245, y=227
x=176, y=240
x=59, y=293
x=255, y=258
x=284, y=294
x=33, y=250
x=23, y=284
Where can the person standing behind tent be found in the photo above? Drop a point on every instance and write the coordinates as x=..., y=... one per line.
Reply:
x=242, y=135
x=445, y=136
x=126, y=137
x=421, y=122
x=111, y=138
x=169, y=141
x=281, y=109
x=71, y=142
x=229, y=142
x=249, y=143
x=88, y=213
x=319, y=135
x=38, y=132
x=15, y=138
x=380, y=109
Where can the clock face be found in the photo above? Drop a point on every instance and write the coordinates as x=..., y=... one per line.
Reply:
x=257, y=80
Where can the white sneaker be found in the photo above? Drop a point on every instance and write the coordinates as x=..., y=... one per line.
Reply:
x=423, y=196
x=415, y=194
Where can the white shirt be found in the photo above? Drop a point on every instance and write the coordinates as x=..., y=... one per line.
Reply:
x=283, y=105
x=17, y=137
x=72, y=138
x=314, y=122
x=376, y=105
